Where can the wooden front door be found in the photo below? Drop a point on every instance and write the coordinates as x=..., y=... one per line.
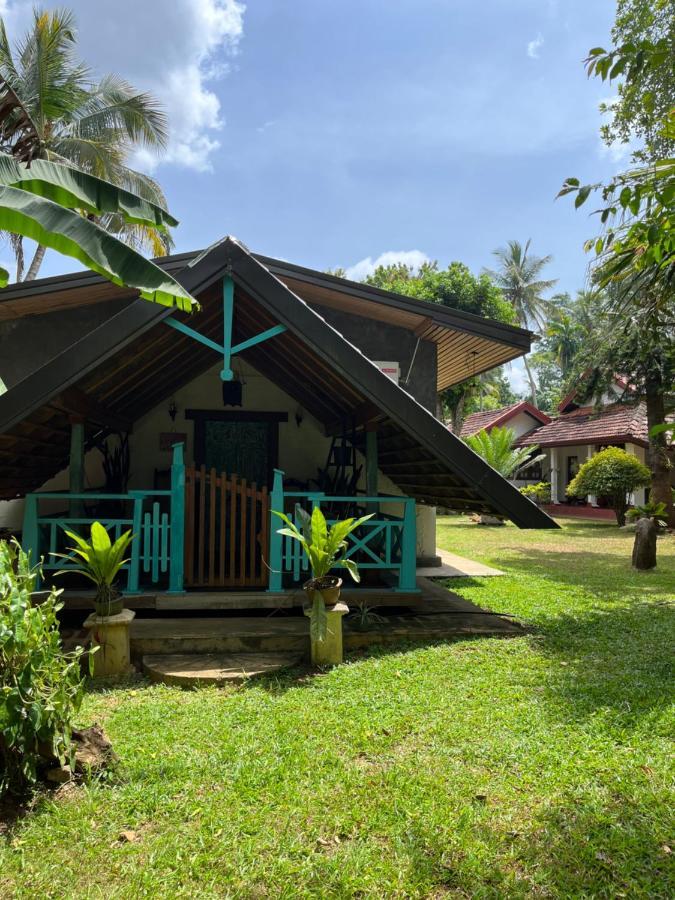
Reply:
x=227, y=522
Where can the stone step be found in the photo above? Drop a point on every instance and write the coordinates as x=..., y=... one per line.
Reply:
x=194, y=669
x=252, y=634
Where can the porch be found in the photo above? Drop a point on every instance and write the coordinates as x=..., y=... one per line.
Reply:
x=212, y=536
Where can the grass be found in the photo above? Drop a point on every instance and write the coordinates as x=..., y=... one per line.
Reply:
x=530, y=767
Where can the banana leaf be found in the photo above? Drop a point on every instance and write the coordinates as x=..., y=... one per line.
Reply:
x=72, y=188
x=70, y=233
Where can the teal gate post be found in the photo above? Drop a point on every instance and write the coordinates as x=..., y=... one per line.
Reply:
x=177, y=526
x=30, y=537
x=276, y=540
x=407, y=577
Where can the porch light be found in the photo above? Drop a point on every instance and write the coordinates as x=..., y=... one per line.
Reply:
x=232, y=392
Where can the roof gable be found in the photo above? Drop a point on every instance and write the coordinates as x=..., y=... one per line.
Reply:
x=493, y=418
x=130, y=364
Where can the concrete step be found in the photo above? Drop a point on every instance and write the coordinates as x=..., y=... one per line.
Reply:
x=194, y=669
x=214, y=635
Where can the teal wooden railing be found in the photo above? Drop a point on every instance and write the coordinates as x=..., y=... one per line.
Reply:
x=385, y=542
x=157, y=551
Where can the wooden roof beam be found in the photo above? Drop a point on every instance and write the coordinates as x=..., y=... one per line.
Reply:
x=76, y=403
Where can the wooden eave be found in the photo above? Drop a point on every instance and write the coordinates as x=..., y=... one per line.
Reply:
x=134, y=362
x=466, y=344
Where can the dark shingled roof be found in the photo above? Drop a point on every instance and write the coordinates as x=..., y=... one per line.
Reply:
x=615, y=424
x=132, y=362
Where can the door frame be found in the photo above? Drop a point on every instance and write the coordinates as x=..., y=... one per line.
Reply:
x=201, y=416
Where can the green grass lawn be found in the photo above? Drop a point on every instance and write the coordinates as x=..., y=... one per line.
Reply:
x=529, y=767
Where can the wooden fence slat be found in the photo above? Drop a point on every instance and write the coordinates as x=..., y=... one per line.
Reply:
x=189, y=525
x=212, y=526
x=223, y=528
x=232, y=575
x=242, y=535
x=201, y=524
x=253, y=520
x=264, y=534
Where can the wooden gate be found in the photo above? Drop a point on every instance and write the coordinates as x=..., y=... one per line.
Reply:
x=227, y=525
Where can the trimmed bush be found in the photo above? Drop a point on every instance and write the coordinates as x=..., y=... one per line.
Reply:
x=611, y=473
x=41, y=686
x=539, y=492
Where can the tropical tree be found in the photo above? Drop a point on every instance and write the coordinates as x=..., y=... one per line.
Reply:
x=496, y=448
x=611, y=473
x=458, y=288
x=519, y=277
x=93, y=125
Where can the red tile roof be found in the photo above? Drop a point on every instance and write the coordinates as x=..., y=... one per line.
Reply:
x=616, y=424
x=490, y=418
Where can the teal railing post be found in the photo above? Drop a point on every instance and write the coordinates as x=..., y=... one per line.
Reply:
x=177, y=524
x=407, y=578
x=133, y=579
x=30, y=537
x=276, y=540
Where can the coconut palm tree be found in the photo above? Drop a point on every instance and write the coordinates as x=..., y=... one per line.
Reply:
x=91, y=124
x=519, y=278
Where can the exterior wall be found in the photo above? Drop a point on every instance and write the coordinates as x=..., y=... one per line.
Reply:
x=583, y=452
x=380, y=341
x=28, y=344
x=522, y=424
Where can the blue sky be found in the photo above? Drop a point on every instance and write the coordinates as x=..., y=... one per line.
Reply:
x=330, y=133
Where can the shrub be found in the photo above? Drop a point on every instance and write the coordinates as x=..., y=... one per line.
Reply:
x=41, y=687
x=656, y=511
x=612, y=473
x=539, y=492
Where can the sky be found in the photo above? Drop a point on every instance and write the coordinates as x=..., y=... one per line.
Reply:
x=348, y=133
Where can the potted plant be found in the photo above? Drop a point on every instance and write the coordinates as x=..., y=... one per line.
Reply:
x=326, y=548
x=100, y=560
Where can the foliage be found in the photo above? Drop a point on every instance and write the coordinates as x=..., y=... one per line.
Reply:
x=326, y=547
x=539, y=766
x=100, y=560
x=648, y=91
x=648, y=511
x=457, y=288
x=91, y=124
x=41, y=687
x=519, y=277
x=611, y=473
x=496, y=448
x=363, y=616
x=638, y=212
x=539, y=492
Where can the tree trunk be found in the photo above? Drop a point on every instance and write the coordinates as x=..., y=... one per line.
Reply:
x=620, y=509
x=34, y=267
x=644, y=548
x=657, y=452
x=458, y=415
x=533, y=385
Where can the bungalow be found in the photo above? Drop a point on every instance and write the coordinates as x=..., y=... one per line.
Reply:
x=581, y=430
x=290, y=386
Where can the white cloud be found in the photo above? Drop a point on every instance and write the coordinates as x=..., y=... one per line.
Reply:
x=367, y=266
x=535, y=46
x=174, y=49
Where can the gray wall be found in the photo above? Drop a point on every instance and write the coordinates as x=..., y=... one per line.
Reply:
x=378, y=340
x=27, y=344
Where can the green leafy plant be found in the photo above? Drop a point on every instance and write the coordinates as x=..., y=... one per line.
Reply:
x=100, y=561
x=41, y=686
x=326, y=548
x=365, y=617
x=539, y=492
x=612, y=473
x=496, y=448
x=656, y=511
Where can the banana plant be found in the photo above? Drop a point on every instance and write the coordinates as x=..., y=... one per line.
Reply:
x=100, y=560
x=52, y=204
x=326, y=548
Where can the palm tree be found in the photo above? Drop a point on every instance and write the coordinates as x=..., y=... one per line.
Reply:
x=92, y=125
x=518, y=277
x=496, y=448
x=564, y=333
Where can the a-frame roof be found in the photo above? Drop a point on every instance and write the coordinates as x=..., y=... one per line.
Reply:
x=132, y=362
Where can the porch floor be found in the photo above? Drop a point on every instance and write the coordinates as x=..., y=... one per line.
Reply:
x=570, y=511
x=433, y=614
